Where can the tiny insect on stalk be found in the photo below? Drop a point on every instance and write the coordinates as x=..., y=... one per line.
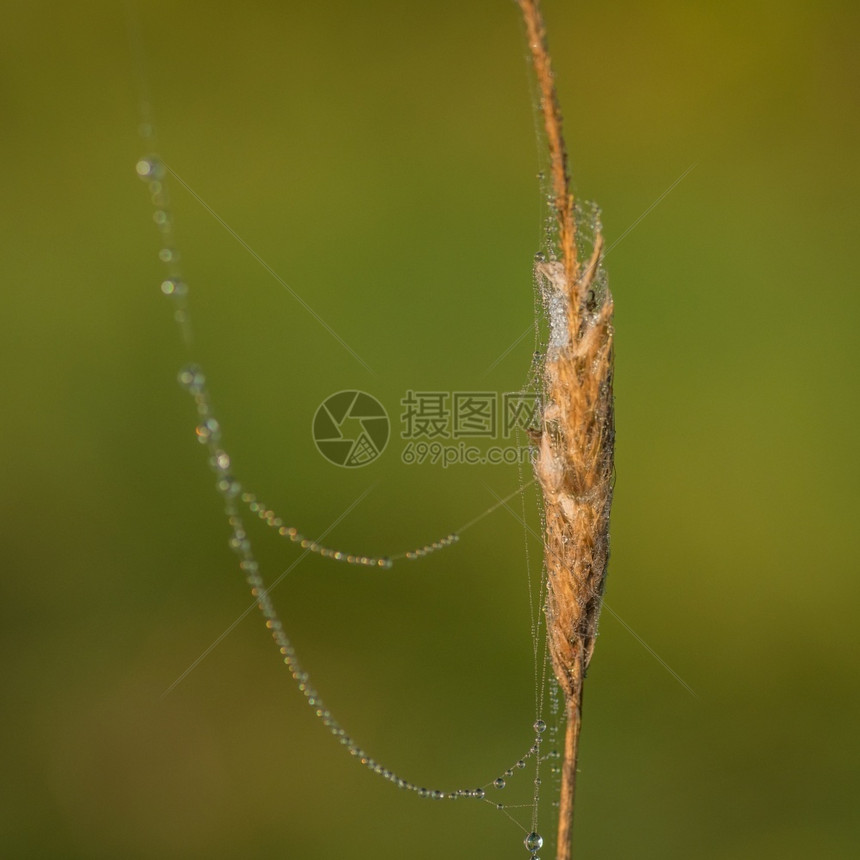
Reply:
x=574, y=464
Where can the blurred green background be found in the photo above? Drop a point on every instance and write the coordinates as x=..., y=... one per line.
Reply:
x=381, y=158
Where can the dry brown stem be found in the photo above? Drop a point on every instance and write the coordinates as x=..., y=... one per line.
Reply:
x=575, y=458
x=562, y=199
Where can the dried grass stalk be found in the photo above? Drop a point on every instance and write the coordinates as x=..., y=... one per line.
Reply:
x=575, y=458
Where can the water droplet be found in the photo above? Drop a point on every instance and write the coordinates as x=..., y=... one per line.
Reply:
x=228, y=487
x=423, y=792
x=208, y=431
x=540, y=727
x=168, y=255
x=533, y=842
x=521, y=764
x=149, y=168
x=174, y=287
x=240, y=545
x=192, y=378
x=220, y=461
x=479, y=793
x=498, y=782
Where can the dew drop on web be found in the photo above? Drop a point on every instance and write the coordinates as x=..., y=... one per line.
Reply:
x=208, y=431
x=192, y=379
x=149, y=168
x=174, y=287
x=533, y=842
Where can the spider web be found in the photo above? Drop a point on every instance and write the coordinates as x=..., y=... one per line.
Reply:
x=239, y=502
x=209, y=433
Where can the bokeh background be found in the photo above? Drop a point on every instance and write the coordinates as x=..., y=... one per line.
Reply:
x=381, y=158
